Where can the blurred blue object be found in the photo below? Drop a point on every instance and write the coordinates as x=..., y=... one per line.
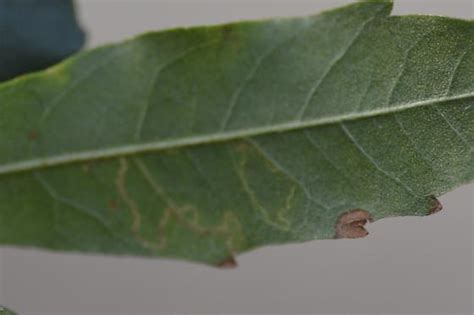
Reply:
x=35, y=34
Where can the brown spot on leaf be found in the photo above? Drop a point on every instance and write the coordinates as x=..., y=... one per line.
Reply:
x=351, y=224
x=436, y=206
x=229, y=263
x=112, y=205
x=32, y=135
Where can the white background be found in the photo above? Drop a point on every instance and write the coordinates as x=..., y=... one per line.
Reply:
x=405, y=266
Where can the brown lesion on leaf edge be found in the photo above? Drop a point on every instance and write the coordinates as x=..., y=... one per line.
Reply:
x=351, y=224
x=229, y=263
x=436, y=206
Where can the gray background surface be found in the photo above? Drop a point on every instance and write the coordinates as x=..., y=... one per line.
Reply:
x=406, y=265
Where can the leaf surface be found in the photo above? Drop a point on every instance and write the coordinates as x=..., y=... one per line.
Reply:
x=205, y=142
x=35, y=34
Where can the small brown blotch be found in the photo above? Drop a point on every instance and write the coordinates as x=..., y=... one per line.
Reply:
x=436, y=206
x=229, y=263
x=112, y=205
x=32, y=135
x=351, y=224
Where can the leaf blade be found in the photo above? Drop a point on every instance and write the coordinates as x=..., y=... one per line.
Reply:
x=202, y=184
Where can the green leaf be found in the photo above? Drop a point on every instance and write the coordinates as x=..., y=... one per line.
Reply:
x=36, y=34
x=4, y=311
x=205, y=142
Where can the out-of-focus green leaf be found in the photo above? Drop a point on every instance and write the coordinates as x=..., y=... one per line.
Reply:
x=35, y=34
x=205, y=142
x=5, y=311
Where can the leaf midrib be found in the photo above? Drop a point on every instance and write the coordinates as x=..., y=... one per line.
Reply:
x=137, y=148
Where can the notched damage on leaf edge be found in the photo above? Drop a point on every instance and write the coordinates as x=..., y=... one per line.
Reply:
x=351, y=224
x=437, y=206
x=229, y=263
